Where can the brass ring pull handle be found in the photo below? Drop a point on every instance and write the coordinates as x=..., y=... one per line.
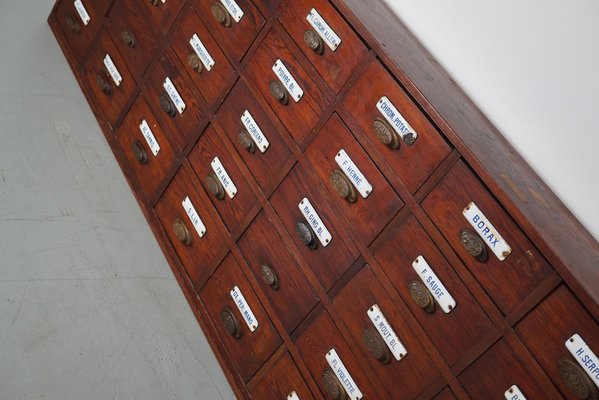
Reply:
x=139, y=152
x=314, y=42
x=386, y=134
x=102, y=82
x=221, y=15
x=167, y=105
x=473, y=245
x=246, y=141
x=73, y=25
x=422, y=297
x=332, y=386
x=306, y=234
x=154, y=2
x=230, y=322
x=214, y=186
x=279, y=92
x=343, y=186
x=376, y=346
x=269, y=276
x=181, y=232
x=128, y=38
x=194, y=62
x=577, y=380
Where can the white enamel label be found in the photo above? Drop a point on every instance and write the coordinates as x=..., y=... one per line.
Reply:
x=353, y=173
x=395, y=119
x=254, y=130
x=433, y=284
x=295, y=91
x=202, y=52
x=233, y=9
x=149, y=136
x=114, y=73
x=293, y=396
x=487, y=231
x=343, y=375
x=584, y=356
x=194, y=217
x=244, y=309
x=324, y=30
x=223, y=177
x=310, y=214
x=387, y=333
x=514, y=393
x=163, y=1
x=174, y=95
x=82, y=12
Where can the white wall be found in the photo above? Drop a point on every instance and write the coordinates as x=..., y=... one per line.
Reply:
x=533, y=68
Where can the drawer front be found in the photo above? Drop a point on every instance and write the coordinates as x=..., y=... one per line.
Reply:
x=133, y=35
x=412, y=163
x=180, y=126
x=327, y=262
x=249, y=129
x=204, y=160
x=299, y=117
x=204, y=61
x=335, y=66
x=199, y=255
x=280, y=382
x=162, y=13
x=277, y=272
x=414, y=372
x=446, y=395
x=247, y=349
x=508, y=282
x=316, y=342
x=545, y=331
x=145, y=145
x=234, y=37
x=453, y=333
x=111, y=98
x=332, y=154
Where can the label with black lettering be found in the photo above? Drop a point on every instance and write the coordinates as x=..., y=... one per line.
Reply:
x=343, y=375
x=352, y=172
x=434, y=284
x=244, y=309
x=381, y=324
x=584, y=356
x=514, y=393
x=487, y=231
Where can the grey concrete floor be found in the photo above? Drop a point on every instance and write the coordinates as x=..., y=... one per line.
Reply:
x=88, y=306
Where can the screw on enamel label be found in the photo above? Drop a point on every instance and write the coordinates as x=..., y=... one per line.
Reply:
x=233, y=9
x=174, y=95
x=324, y=30
x=514, y=393
x=244, y=309
x=293, y=396
x=202, y=52
x=293, y=88
x=434, y=284
x=83, y=14
x=254, y=130
x=343, y=375
x=487, y=231
x=147, y=133
x=395, y=119
x=312, y=217
x=584, y=356
x=223, y=177
x=193, y=216
x=112, y=70
x=353, y=173
x=383, y=327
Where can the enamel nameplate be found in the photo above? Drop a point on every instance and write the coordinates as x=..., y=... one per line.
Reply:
x=114, y=73
x=487, y=232
x=395, y=119
x=83, y=14
x=174, y=95
x=244, y=309
x=514, y=393
x=254, y=130
x=294, y=90
x=352, y=172
x=433, y=284
x=202, y=52
x=310, y=214
x=584, y=356
x=343, y=375
x=233, y=9
x=324, y=30
x=223, y=177
x=293, y=396
x=387, y=333
x=146, y=131
x=194, y=217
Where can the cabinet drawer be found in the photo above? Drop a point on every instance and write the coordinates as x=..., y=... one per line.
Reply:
x=145, y=145
x=332, y=155
x=162, y=13
x=545, y=331
x=199, y=255
x=181, y=126
x=221, y=177
x=203, y=60
x=413, y=372
x=281, y=381
x=453, y=333
x=337, y=65
x=277, y=272
x=447, y=395
x=249, y=129
x=327, y=262
x=412, y=163
x=299, y=116
x=133, y=35
x=248, y=347
x=234, y=37
x=508, y=282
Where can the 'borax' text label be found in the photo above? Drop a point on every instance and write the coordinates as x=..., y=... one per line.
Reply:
x=487, y=231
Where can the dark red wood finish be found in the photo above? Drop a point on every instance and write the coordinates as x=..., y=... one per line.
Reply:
x=162, y=13
x=445, y=395
x=280, y=381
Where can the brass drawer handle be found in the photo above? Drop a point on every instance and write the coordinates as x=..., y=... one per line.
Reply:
x=269, y=276
x=221, y=15
x=181, y=232
x=577, y=380
x=332, y=386
x=279, y=92
x=422, y=297
x=314, y=41
x=139, y=152
x=128, y=38
x=194, y=62
x=376, y=346
x=343, y=186
x=167, y=105
x=473, y=245
x=386, y=134
x=73, y=25
x=102, y=82
x=246, y=141
x=230, y=322
x=214, y=186
x=306, y=234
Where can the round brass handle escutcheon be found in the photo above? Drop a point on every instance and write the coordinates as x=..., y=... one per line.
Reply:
x=214, y=186
x=269, y=276
x=181, y=232
x=128, y=38
x=344, y=188
x=314, y=41
x=279, y=92
x=386, y=134
x=306, y=234
x=221, y=15
x=332, y=386
x=422, y=297
x=246, y=141
x=139, y=152
x=72, y=24
x=577, y=380
x=376, y=346
x=194, y=62
x=102, y=82
x=167, y=105
x=473, y=245
x=230, y=322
